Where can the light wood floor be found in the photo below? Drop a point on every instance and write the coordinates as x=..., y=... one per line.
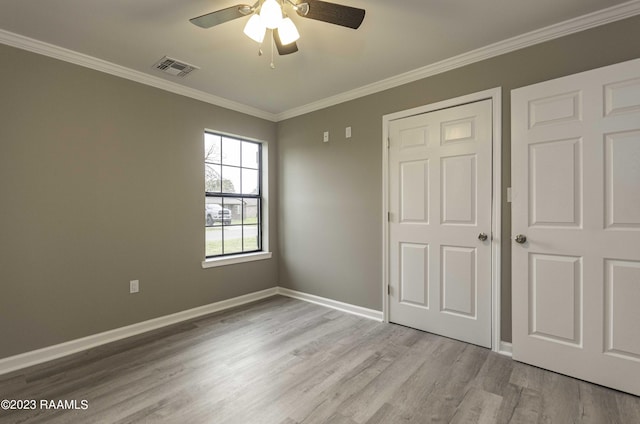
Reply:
x=284, y=361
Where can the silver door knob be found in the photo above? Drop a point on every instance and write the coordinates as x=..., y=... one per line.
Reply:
x=482, y=236
x=520, y=238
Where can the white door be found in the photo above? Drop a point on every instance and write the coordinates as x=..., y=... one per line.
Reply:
x=576, y=199
x=440, y=212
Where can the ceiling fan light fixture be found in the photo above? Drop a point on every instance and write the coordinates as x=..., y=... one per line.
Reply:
x=288, y=31
x=271, y=14
x=255, y=29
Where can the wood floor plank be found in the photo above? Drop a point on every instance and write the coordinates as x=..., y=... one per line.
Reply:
x=299, y=397
x=597, y=405
x=441, y=403
x=477, y=406
x=495, y=374
x=511, y=399
x=628, y=408
x=387, y=413
x=284, y=361
x=528, y=409
x=560, y=399
x=427, y=378
x=364, y=405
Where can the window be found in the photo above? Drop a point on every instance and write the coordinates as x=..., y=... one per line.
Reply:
x=233, y=195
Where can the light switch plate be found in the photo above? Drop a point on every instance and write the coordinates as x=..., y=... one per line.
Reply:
x=134, y=286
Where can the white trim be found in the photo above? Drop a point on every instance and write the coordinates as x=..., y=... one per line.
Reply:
x=506, y=349
x=496, y=219
x=266, y=200
x=571, y=26
x=35, y=357
x=50, y=50
x=334, y=304
x=385, y=217
x=235, y=259
x=49, y=353
x=495, y=95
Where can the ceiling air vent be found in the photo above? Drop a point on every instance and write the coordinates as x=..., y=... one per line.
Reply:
x=174, y=67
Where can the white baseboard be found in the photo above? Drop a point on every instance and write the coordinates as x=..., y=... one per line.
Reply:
x=39, y=356
x=34, y=357
x=505, y=349
x=334, y=304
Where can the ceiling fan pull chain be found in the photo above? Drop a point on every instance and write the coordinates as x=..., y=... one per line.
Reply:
x=273, y=66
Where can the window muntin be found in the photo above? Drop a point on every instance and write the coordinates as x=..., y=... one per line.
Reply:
x=233, y=195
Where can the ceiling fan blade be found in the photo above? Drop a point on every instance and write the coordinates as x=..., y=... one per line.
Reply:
x=221, y=16
x=283, y=48
x=332, y=13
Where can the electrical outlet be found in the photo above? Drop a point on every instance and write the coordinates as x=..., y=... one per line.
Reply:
x=134, y=286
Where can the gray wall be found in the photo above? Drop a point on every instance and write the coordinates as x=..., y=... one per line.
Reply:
x=331, y=196
x=101, y=182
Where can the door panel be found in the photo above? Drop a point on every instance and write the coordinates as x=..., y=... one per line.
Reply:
x=440, y=200
x=414, y=274
x=622, y=97
x=556, y=298
x=576, y=198
x=458, y=276
x=622, y=297
x=556, y=180
x=414, y=200
x=621, y=159
x=458, y=193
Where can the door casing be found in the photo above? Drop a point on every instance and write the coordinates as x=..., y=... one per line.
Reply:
x=495, y=95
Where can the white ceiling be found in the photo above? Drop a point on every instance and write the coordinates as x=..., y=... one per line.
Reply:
x=396, y=37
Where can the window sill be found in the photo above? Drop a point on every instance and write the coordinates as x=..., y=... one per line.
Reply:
x=236, y=259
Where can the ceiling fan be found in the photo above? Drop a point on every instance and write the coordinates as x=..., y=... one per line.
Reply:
x=270, y=14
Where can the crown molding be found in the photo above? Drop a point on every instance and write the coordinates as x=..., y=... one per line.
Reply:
x=571, y=26
x=56, y=52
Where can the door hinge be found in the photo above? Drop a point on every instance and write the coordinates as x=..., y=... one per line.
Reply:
x=388, y=216
x=389, y=289
x=388, y=142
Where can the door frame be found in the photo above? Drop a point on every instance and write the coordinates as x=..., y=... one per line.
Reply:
x=495, y=94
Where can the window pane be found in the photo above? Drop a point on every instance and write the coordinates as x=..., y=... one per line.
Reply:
x=233, y=211
x=250, y=155
x=250, y=211
x=214, y=212
x=211, y=148
x=251, y=235
x=213, y=241
x=212, y=178
x=230, y=151
x=230, y=179
x=213, y=222
x=249, y=181
x=232, y=239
